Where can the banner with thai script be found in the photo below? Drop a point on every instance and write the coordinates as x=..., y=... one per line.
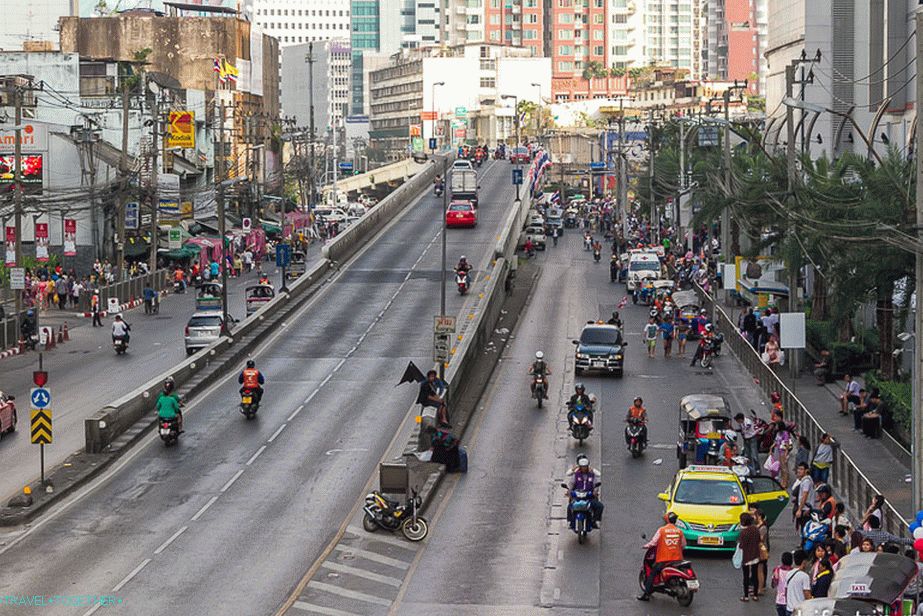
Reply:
x=41, y=241
x=10, y=247
x=70, y=237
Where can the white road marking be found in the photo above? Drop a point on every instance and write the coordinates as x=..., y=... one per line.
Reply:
x=135, y=571
x=320, y=609
x=326, y=379
x=349, y=594
x=295, y=413
x=374, y=557
x=166, y=544
x=341, y=362
x=311, y=397
x=261, y=449
x=277, y=433
x=368, y=575
x=380, y=538
x=557, y=594
x=92, y=610
x=232, y=480
x=204, y=508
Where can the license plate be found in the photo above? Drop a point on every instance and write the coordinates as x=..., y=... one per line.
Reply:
x=692, y=584
x=599, y=364
x=711, y=540
x=247, y=399
x=164, y=431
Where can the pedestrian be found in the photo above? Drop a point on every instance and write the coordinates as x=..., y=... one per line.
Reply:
x=748, y=326
x=840, y=518
x=749, y=544
x=95, y=308
x=840, y=538
x=823, y=459
x=779, y=578
x=803, y=496
x=762, y=569
x=682, y=332
x=650, y=337
x=744, y=426
x=803, y=453
x=820, y=586
x=874, y=510
x=850, y=394
x=667, y=329
x=797, y=582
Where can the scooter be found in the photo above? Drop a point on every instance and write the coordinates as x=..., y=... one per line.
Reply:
x=390, y=515
x=178, y=287
x=580, y=512
x=635, y=437
x=580, y=423
x=596, y=255
x=119, y=344
x=539, y=386
x=169, y=431
x=438, y=190
x=814, y=532
x=249, y=404
x=677, y=579
x=712, y=347
x=461, y=281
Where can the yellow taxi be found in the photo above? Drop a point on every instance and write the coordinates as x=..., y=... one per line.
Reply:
x=708, y=501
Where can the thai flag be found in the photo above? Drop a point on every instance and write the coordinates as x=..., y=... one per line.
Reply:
x=217, y=68
x=556, y=197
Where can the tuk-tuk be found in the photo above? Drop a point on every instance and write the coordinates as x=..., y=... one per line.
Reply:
x=877, y=579
x=571, y=218
x=297, y=265
x=644, y=293
x=703, y=418
x=257, y=296
x=208, y=296
x=663, y=288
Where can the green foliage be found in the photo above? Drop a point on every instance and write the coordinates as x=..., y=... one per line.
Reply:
x=846, y=356
x=30, y=263
x=897, y=397
x=617, y=71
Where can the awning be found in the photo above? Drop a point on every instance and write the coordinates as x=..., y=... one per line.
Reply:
x=271, y=228
x=189, y=251
x=135, y=247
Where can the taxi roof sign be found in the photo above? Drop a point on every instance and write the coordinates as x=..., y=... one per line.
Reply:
x=708, y=468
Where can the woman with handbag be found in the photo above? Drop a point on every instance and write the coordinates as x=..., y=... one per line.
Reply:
x=762, y=569
x=749, y=545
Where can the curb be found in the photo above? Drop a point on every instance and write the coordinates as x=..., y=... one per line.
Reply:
x=10, y=352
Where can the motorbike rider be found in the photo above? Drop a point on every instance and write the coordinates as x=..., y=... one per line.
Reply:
x=615, y=320
x=252, y=379
x=463, y=265
x=669, y=542
x=438, y=184
x=580, y=397
x=168, y=404
x=120, y=329
x=583, y=477
x=707, y=335
x=637, y=412
x=28, y=328
x=264, y=278
x=540, y=370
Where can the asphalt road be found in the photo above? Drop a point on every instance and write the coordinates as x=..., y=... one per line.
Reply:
x=229, y=520
x=85, y=374
x=499, y=543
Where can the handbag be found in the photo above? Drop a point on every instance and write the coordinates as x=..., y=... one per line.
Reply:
x=738, y=559
x=764, y=552
x=771, y=465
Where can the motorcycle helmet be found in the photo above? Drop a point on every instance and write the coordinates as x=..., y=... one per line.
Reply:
x=670, y=517
x=775, y=397
x=703, y=312
x=709, y=327
x=582, y=460
x=593, y=399
x=730, y=436
x=462, y=258
x=251, y=363
x=579, y=387
x=638, y=399
x=653, y=313
x=539, y=355
x=169, y=384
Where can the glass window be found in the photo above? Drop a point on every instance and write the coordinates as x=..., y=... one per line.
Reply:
x=488, y=82
x=598, y=50
x=565, y=50
x=565, y=67
x=566, y=35
x=599, y=35
x=531, y=19
x=702, y=492
x=566, y=19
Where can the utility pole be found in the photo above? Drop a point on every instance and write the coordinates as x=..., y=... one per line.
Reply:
x=123, y=193
x=334, y=163
x=17, y=191
x=917, y=418
x=311, y=126
x=155, y=201
x=221, y=177
x=726, y=214
x=650, y=165
x=682, y=181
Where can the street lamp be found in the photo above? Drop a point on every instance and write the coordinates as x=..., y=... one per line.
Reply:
x=538, y=114
x=518, y=142
x=433, y=103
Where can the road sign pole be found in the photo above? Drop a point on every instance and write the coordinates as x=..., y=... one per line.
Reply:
x=41, y=449
x=283, y=279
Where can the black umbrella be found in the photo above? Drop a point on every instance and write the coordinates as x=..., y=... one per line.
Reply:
x=873, y=576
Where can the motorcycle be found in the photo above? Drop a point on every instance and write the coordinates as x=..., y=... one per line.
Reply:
x=381, y=512
x=461, y=281
x=580, y=512
x=249, y=404
x=635, y=437
x=711, y=350
x=539, y=385
x=438, y=190
x=178, y=287
x=596, y=255
x=677, y=579
x=814, y=532
x=119, y=344
x=580, y=423
x=169, y=431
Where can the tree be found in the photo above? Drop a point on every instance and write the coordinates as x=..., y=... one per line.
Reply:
x=617, y=71
x=593, y=70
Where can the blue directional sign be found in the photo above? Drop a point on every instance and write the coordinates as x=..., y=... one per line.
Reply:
x=597, y=165
x=346, y=165
x=41, y=398
x=283, y=255
x=432, y=143
x=517, y=176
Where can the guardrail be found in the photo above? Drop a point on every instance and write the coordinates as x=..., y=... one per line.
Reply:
x=852, y=486
x=512, y=229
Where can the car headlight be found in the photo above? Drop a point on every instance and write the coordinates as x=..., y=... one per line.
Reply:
x=618, y=356
x=681, y=524
x=582, y=356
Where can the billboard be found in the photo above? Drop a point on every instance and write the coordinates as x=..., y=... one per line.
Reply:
x=32, y=172
x=182, y=130
x=34, y=138
x=70, y=237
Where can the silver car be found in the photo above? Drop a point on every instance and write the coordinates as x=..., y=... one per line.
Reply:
x=202, y=329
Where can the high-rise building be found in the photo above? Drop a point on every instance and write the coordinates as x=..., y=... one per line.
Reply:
x=34, y=22
x=332, y=62
x=575, y=39
x=733, y=41
x=302, y=21
x=512, y=22
x=676, y=34
x=625, y=32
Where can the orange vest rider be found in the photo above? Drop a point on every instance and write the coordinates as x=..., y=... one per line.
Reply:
x=251, y=378
x=670, y=542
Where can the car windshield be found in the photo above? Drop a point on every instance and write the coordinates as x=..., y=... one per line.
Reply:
x=708, y=492
x=609, y=336
x=205, y=321
x=460, y=207
x=644, y=266
x=521, y=150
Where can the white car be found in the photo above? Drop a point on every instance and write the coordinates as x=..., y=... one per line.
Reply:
x=535, y=218
x=642, y=265
x=331, y=214
x=536, y=233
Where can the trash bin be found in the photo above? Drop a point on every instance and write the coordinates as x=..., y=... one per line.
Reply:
x=114, y=307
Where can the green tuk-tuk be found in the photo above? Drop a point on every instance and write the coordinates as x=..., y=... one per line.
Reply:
x=208, y=296
x=703, y=418
x=298, y=264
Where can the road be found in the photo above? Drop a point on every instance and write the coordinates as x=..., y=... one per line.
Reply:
x=228, y=521
x=503, y=515
x=85, y=374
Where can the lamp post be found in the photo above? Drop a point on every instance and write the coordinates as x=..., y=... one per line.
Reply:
x=538, y=114
x=445, y=207
x=434, y=112
x=518, y=141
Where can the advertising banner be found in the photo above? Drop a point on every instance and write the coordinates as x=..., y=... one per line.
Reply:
x=41, y=241
x=70, y=237
x=132, y=215
x=10, y=247
x=32, y=171
x=182, y=129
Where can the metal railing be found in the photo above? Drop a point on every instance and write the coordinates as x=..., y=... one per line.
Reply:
x=853, y=488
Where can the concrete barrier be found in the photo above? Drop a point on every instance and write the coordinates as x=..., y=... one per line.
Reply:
x=351, y=240
x=512, y=229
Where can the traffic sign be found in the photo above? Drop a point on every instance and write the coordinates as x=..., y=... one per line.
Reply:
x=346, y=165
x=283, y=255
x=517, y=176
x=444, y=324
x=175, y=238
x=246, y=224
x=461, y=112
x=40, y=398
x=40, y=428
x=40, y=377
x=432, y=143
x=441, y=346
x=597, y=164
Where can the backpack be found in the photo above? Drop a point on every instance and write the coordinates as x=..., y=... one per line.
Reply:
x=462, y=459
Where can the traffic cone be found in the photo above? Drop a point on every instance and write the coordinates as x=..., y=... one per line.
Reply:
x=67, y=336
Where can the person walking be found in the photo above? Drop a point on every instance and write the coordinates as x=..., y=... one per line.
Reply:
x=762, y=569
x=95, y=309
x=667, y=330
x=650, y=337
x=779, y=577
x=749, y=543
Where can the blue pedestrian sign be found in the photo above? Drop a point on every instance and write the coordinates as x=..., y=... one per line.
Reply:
x=432, y=143
x=41, y=398
x=283, y=255
x=517, y=176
